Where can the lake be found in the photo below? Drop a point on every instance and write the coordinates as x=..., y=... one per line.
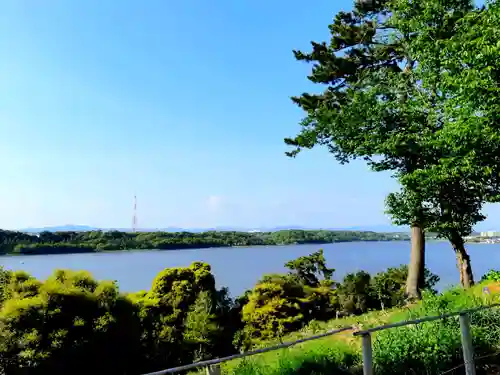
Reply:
x=240, y=268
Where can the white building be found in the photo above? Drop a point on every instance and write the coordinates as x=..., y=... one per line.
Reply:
x=490, y=234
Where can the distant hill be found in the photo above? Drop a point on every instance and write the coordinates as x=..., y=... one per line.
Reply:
x=63, y=228
x=86, y=228
x=379, y=228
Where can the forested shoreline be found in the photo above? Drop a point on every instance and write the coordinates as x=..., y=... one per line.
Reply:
x=12, y=243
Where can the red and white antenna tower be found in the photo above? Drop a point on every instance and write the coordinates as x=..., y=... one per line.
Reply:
x=134, y=216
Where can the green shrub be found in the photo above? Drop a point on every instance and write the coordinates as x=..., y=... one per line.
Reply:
x=273, y=309
x=428, y=348
x=279, y=304
x=434, y=347
x=68, y=324
x=491, y=275
x=4, y=282
x=388, y=286
x=200, y=327
x=168, y=312
x=319, y=358
x=73, y=324
x=310, y=269
x=359, y=292
x=355, y=293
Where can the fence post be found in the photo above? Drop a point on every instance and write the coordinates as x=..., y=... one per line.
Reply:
x=468, y=349
x=367, y=354
x=213, y=370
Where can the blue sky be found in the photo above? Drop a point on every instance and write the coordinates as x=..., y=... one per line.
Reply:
x=185, y=103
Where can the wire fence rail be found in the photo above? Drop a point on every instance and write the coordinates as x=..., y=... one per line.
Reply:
x=213, y=365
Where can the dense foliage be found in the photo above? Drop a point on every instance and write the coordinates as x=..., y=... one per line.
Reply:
x=55, y=326
x=431, y=348
x=368, y=105
x=74, y=242
x=284, y=303
x=412, y=88
x=435, y=347
x=491, y=275
x=71, y=323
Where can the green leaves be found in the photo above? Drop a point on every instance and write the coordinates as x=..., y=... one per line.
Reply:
x=57, y=326
x=460, y=172
x=413, y=88
x=400, y=78
x=309, y=269
x=70, y=242
x=373, y=107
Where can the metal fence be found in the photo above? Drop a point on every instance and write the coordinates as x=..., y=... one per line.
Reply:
x=213, y=365
x=468, y=349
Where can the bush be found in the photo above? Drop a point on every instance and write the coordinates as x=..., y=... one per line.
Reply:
x=388, y=286
x=317, y=358
x=359, y=292
x=273, y=309
x=428, y=348
x=491, y=275
x=4, y=282
x=178, y=296
x=435, y=347
x=200, y=331
x=279, y=304
x=355, y=293
x=71, y=324
x=283, y=303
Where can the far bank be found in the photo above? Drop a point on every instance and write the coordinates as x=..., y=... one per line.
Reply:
x=18, y=243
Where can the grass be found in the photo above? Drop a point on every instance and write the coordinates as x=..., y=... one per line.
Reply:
x=317, y=357
x=341, y=353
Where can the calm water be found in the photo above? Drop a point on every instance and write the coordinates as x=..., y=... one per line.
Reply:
x=240, y=268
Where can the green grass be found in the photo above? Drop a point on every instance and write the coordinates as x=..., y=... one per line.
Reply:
x=398, y=350
x=322, y=356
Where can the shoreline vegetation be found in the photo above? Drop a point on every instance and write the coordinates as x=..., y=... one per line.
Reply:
x=19, y=243
x=54, y=326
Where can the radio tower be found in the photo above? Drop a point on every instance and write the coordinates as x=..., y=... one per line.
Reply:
x=134, y=216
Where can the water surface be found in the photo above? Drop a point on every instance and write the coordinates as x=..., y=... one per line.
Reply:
x=240, y=268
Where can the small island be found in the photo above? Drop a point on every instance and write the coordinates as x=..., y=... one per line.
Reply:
x=19, y=243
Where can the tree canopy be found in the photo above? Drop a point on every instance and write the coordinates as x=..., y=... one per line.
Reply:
x=397, y=94
x=461, y=173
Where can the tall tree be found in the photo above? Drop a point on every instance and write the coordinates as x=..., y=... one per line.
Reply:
x=452, y=206
x=372, y=107
x=460, y=72
x=310, y=269
x=404, y=208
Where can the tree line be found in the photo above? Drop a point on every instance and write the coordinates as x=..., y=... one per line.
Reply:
x=74, y=324
x=412, y=89
x=74, y=242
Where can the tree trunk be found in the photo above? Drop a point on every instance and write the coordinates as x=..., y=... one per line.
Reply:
x=463, y=261
x=417, y=263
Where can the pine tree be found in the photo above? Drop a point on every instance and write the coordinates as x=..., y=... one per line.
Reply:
x=373, y=108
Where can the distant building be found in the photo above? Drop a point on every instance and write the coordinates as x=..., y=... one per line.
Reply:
x=490, y=234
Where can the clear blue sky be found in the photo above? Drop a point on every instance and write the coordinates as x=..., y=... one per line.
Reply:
x=184, y=102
